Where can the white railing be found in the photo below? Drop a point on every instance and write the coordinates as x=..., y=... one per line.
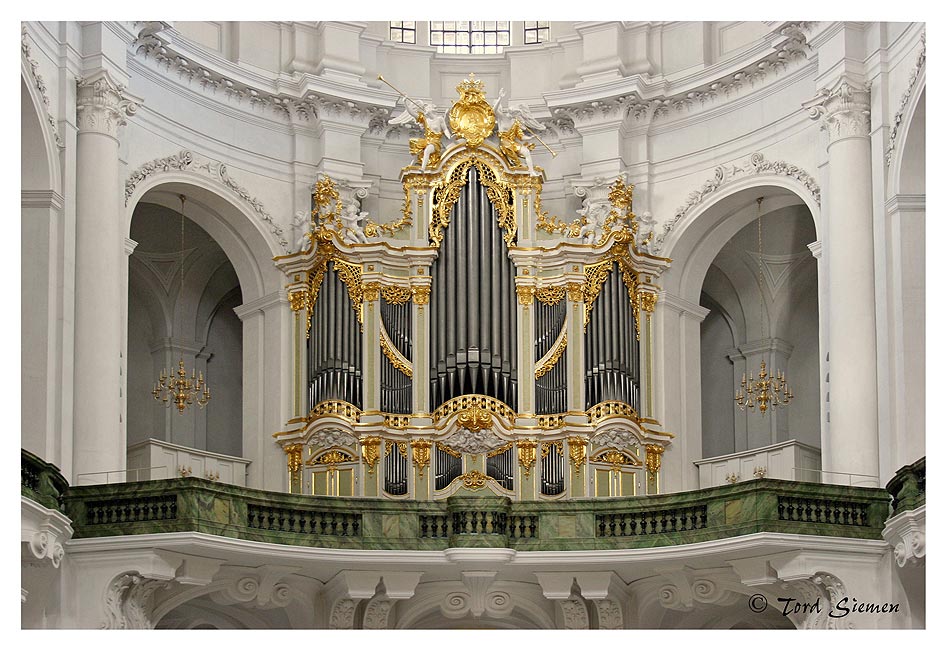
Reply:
x=123, y=475
x=864, y=480
x=185, y=461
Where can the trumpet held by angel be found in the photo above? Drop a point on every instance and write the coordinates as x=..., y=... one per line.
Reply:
x=429, y=148
x=513, y=142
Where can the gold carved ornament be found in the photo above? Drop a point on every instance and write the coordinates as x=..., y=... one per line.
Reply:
x=500, y=193
x=471, y=117
x=576, y=452
x=332, y=458
x=526, y=455
x=371, y=451
x=526, y=294
x=420, y=449
x=421, y=294
x=394, y=294
x=548, y=361
x=652, y=460
x=373, y=229
x=398, y=360
x=293, y=457
x=550, y=295
x=595, y=276
x=615, y=458
x=399, y=445
x=298, y=300
x=473, y=480
x=474, y=418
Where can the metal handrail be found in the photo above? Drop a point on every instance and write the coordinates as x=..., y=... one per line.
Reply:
x=82, y=479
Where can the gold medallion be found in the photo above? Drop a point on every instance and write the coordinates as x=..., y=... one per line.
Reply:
x=472, y=118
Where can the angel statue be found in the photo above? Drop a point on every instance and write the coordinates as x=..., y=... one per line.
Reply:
x=434, y=123
x=301, y=224
x=592, y=218
x=512, y=140
x=353, y=231
x=645, y=232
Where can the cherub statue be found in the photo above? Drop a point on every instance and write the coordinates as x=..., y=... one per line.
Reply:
x=645, y=232
x=434, y=123
x=512, y=141
x=593, y=217
x=352, y=230
x=301, y=224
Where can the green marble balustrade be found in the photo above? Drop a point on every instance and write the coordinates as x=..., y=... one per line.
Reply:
x=908, y=487
x=41, y=481
x=477, y=519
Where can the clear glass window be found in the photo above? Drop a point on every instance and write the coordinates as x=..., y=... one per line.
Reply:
x=469, y=36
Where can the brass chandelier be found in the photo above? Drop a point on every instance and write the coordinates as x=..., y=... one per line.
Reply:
x=176, y=387
x=765, y=390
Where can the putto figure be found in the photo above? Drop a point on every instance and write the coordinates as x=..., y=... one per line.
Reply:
x=352, y=230
x=429, y=148
x=512, y=141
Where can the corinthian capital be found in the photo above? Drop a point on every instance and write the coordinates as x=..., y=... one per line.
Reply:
x=102, y=105
x=844, y=110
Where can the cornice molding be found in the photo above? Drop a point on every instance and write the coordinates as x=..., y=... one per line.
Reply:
x=41, y=199
x=261, y=304
x=726, y=174
x=682, y=305
x=905, y=99
x=40, y=85
x=187, y=161
x=650, y=101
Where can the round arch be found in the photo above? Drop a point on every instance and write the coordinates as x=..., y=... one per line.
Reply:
x=233, y=226
x=901, y=151
x=46, y=173
x=696, y=241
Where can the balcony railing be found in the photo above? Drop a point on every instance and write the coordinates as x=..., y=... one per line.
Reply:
x=470, y=520
x=908, y=487
x=41, y=481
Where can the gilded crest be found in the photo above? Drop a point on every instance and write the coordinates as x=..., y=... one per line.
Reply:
x=471, y=117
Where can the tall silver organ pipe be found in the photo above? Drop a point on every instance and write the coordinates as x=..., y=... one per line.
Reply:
x=395, y=385
x=553, y=469
x=612, y=351
x=550, y=388
x=447, y=467
x=502, y=467
x=334, y=345
x=473, y=305
x=395, y=469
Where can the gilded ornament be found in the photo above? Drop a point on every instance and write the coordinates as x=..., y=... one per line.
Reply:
x=421, y=452
x=371, y=291
x=473, y=480
x=449, y=450
x=371, y=451
x=526, y=455
x=293, y=456
x=298, y=300
x=396, y=421
x=464, y=402
x=471, y=117
x=652, y=460
x=647, y=300
x=552, y=446
x=576, y=452
x=550, y=295
x=336, y=408
x=609, y=409
x=525, y=294
x=395, y=294
x=575, y=291
x=373, y=229
x=333, y=457
x=421, y=294
x=548, y=361
x=474, y=418
x=398, y=360
x=399, y=445
x=616, y=459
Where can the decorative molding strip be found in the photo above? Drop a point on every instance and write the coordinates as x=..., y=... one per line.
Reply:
x=308, y=108
x=911, y=86
x=726, y=174
x=793, y=47
x=187, y=160
x=40, y=85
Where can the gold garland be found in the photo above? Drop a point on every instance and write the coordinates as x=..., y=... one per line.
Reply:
x=550, y=295
x=395, y=294
x=500, y=450
x=398, y=360
x=547, y=362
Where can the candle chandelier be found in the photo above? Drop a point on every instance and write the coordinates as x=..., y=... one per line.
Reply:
x=176, y=387
x=765, y=390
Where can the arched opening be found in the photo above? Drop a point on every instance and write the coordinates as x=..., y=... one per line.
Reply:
x=40, y=286
x=712, y=300
x=780, y=328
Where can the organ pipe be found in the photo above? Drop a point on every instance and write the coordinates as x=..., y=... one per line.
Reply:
x=612, y=360
x=396, y=387
x=334, y=349
x=473, y=305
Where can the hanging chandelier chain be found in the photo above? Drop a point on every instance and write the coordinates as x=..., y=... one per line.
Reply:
x=175, y=387
x=768, y=390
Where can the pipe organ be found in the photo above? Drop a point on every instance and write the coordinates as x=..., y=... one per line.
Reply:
x=473, y=343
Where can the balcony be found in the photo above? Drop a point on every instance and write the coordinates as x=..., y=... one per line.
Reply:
x=469, y=520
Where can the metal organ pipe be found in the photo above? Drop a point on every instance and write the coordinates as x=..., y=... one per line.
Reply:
x=612, y=356
x=473, y=305
x=335, y=359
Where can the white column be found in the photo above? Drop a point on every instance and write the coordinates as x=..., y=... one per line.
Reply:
x=575, y=350
x=99, y=433
x=844, y=111
x=817, y=251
